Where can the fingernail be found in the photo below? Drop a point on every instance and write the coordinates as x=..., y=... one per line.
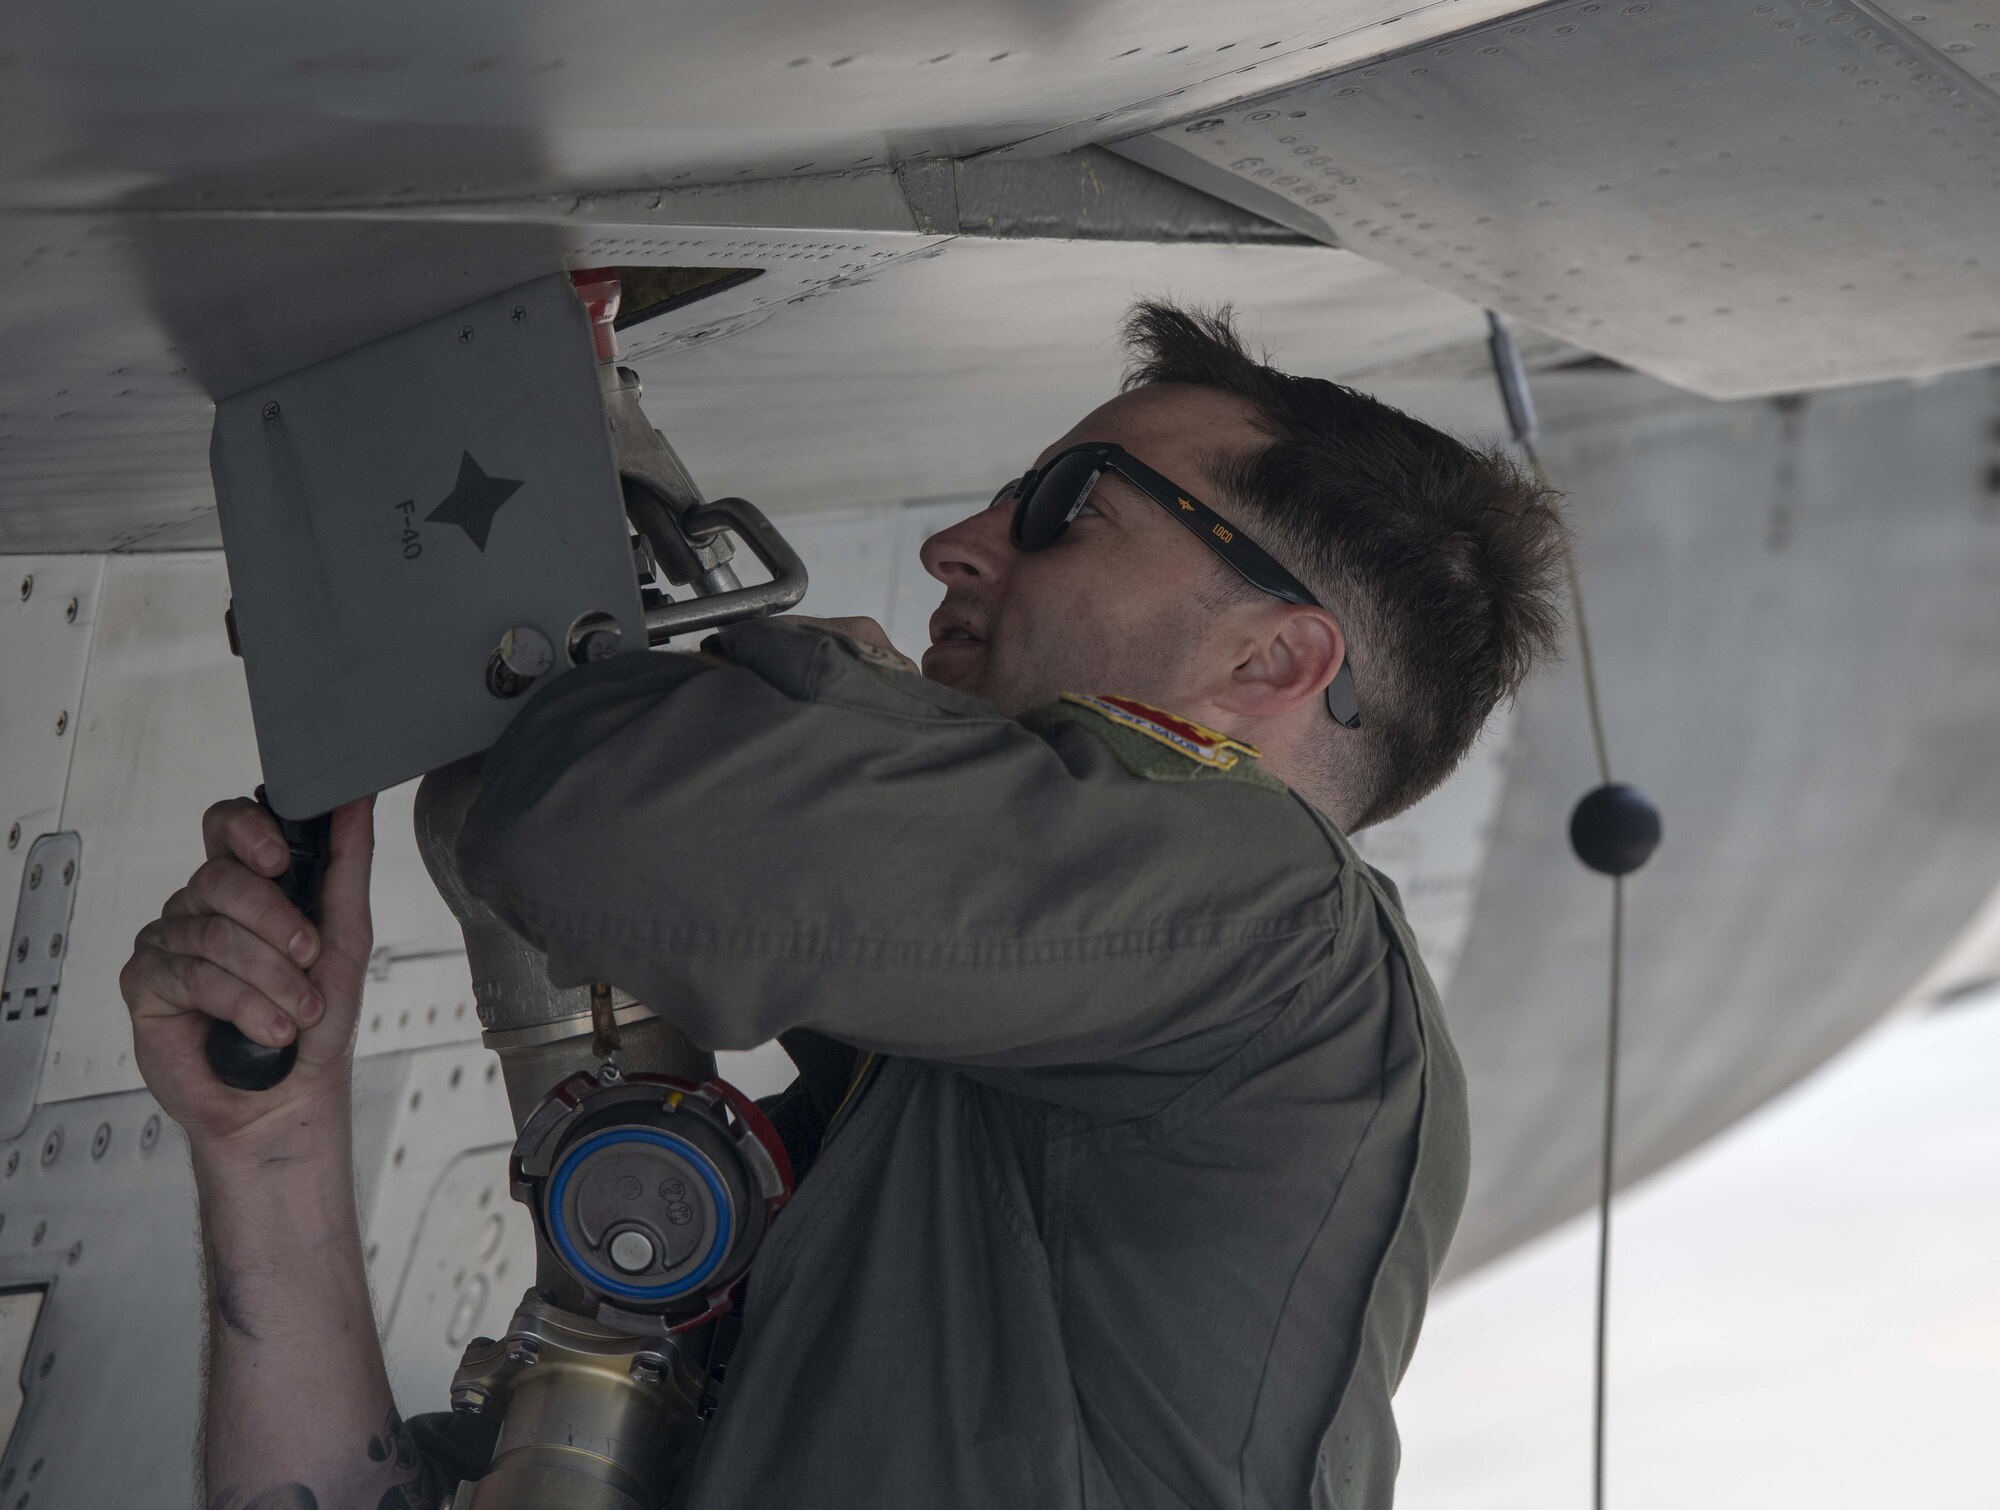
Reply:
x=281, y=1027
x=269, y=853
x=311, y=1007
x=302, y=946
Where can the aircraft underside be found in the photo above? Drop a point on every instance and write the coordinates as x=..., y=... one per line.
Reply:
x=873, y=259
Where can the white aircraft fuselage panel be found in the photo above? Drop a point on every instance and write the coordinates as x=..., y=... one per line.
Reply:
x=374, y=103
x=1739, y=199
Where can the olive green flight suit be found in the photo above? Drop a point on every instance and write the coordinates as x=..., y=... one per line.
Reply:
x=1142, y=1202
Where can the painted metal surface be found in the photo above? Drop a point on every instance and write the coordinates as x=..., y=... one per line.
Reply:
x=374, y=103
x=1967, y=32
x=99, y=1210
x=20, y=1313
x=1799, y=646
x=473, y=1255
x=1088, y=194
x=447, y=1249
x=862, y=367
x=164, y=730
x=31, y=988
x=947, y=376
x=392, y=514
x=47, y=647
x=1436, y=852
x=1739, y=199
x=127, y=326
x=189, y=206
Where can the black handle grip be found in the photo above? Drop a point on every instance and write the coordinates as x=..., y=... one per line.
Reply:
x=242, y=1063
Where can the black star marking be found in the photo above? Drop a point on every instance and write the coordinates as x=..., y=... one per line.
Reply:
x=472, y=504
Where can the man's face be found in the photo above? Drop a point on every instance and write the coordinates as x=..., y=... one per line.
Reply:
x=1114, y=605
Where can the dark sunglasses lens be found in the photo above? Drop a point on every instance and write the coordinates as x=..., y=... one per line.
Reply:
x=1059, y=490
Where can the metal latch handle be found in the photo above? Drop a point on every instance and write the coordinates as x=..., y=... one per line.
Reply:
x=786, y=587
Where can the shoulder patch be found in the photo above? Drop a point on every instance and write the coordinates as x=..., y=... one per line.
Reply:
x=1204, y=746
x=1153, y=743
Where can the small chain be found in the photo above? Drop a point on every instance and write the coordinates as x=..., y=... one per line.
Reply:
x=603, y=1022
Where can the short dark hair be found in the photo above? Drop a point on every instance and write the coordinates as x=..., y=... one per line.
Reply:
x=1442, y=562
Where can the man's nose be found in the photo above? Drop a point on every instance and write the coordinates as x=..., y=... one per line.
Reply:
x=975, y=547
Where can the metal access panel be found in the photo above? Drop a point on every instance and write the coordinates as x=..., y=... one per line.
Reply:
x=1739, y=198
x=20, y=1311
x=391, y=513
x=32, y=983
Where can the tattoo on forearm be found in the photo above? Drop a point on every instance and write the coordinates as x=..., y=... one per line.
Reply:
x=226, y=1296
x=392, y=1447
x=395, y=1447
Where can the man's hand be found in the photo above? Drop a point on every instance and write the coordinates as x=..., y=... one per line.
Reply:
x=298, y=1394
x=869, y=635
x=229, y=945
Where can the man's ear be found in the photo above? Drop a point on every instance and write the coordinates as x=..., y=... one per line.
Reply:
x=1295, y=652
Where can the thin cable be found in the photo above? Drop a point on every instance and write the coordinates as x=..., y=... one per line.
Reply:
x=1519, y=402
x=1584, y=658
x=1605, y=1188
x=1600, y=1374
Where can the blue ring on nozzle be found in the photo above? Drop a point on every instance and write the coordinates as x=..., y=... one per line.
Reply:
x=610, y=1284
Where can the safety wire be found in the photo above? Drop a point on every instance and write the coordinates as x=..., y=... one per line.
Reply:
x=1514, y=394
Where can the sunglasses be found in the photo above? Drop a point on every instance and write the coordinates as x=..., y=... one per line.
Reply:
x=1050, y=496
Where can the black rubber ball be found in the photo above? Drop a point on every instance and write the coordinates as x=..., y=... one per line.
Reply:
x=1615, y=829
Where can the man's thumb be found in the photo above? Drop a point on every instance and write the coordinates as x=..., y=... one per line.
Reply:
x=345, y=934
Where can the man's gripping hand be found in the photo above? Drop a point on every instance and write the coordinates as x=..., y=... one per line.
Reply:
x=229, y=945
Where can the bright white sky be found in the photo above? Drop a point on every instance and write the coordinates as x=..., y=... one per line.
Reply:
x=1805, y=1313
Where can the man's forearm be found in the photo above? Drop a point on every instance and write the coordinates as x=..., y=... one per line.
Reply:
x=299, y=1413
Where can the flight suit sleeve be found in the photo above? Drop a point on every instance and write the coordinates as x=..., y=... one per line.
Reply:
x=785, y=836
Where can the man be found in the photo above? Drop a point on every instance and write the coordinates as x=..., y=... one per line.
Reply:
x=1157, y=1139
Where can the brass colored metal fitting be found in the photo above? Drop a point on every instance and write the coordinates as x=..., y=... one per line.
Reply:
x=591, y=1418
